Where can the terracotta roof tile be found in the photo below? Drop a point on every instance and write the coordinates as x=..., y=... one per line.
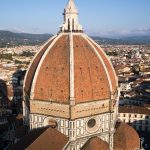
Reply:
x=91, y=81
x=134, y=109
x=51, y=139
x=28, y=139
x=111, y=73
x=42, y=139
x=53, y=76
x=33, y=67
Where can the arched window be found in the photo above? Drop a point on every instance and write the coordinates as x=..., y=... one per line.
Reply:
x=73, y=28
x=68, y=25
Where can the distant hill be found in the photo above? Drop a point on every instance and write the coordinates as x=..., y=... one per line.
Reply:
x=102, y=40
x=8, y=38
x=135, y=40
x=138, y=40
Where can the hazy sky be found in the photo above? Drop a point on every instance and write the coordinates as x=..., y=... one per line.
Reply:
x=98, y=17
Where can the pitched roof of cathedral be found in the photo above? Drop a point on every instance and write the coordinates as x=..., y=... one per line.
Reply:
x=28, y=139
x=126, y=138
x=95, y=143
x=42, y=139
x=51, y=139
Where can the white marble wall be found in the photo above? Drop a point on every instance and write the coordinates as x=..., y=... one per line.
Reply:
x=78, y=130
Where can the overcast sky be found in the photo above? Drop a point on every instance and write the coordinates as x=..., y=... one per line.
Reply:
x=109, y=18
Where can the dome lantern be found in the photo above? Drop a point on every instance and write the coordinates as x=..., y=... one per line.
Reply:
x=71, y=23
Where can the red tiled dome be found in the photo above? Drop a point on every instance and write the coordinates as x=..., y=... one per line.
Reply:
x=49, y=72
x=71, y=67
x=95, y=143
x=126, y=138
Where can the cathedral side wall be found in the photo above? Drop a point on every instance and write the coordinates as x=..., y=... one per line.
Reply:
x=79, y=130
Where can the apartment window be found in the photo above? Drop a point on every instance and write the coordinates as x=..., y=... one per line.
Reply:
x=147, y=117
x=140, y=128
x=146, y=128
x=140, y=121
x=146, y=122
x=35, y=125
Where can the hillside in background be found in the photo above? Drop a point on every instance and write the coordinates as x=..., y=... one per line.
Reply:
x=9, y=39
x=138, y=40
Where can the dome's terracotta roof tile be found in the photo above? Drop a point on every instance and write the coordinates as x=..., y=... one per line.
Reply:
x=53, y=77
x=109, y=67
x=91, y=81
x=33, y=66
x=49, y=73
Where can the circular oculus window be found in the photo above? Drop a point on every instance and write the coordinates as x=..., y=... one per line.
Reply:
x=91, y=123
x=52, y=123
